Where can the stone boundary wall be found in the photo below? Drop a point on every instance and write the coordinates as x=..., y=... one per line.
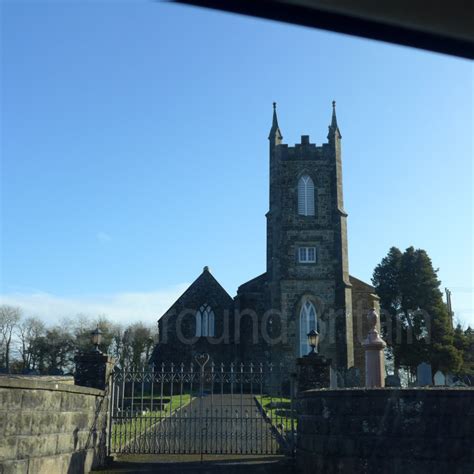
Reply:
x=62, y=379
x=48, y=427
x=386, y=431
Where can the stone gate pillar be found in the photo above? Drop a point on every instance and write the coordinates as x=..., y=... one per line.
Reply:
x=313, y=372
x=93, y=369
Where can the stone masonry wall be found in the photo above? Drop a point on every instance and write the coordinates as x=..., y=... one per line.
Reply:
x=47, y=427
x=389, y=431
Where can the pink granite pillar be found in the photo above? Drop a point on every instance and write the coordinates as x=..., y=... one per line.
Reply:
x=374, y=355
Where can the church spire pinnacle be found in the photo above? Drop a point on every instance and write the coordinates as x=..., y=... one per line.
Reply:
x=334, y=119
x=275, y=135
x=333, y=128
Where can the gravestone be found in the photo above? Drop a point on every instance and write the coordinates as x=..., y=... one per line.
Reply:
x=439, y=378
x=352, y=378
x=337, y=378
x=332, y=378
x=392, y=381
x=423, y=375
x=450, y=379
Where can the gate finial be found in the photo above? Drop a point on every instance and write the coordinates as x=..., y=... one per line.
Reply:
x=202, y=359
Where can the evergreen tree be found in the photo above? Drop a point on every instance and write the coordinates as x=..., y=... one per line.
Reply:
x=414, y=314
x=464, y=342
x=386, y=281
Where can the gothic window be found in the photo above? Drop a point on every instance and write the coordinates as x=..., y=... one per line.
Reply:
x=307, y=322
x=205, y=321
x=306, y=196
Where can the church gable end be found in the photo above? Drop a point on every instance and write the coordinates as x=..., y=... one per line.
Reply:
x=197, y=322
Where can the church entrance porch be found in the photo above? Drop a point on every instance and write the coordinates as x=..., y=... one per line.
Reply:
x=202, y=409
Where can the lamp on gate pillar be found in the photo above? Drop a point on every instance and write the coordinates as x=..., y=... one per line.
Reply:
x=93, y=368
x=313, y=368
x=96, y=338
x=313, y=341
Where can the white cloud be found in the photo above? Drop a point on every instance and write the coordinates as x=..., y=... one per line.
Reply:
x=103, y=237
x=120, y=307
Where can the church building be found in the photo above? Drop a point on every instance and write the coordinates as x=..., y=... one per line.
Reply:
x=306, y=284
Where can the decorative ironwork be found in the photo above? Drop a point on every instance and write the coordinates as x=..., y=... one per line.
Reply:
x=202, y=408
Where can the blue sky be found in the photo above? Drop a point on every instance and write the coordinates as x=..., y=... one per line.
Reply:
x=134, y=150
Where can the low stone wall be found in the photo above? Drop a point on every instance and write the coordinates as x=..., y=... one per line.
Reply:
x=386, y=431
x=48, y=427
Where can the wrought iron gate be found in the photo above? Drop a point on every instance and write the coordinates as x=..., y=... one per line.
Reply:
x=202, y=408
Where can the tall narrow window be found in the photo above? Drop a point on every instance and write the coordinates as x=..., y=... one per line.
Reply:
x=205, y=321
x=306, y=196
x=307, y=322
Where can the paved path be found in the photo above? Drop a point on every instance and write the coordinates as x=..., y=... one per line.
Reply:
x=217, y=424
x=211, y=465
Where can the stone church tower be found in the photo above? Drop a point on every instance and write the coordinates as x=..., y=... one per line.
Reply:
x=307, y=260
x=306, y=284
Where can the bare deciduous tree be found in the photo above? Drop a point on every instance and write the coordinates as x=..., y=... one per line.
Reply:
x=30, y=344
x=29, y=332
x=9, y=319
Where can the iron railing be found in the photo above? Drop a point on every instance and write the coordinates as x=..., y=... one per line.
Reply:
x=202, y=408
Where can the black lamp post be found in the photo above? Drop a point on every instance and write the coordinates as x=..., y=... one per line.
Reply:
x=96, y=338
x=313, y=341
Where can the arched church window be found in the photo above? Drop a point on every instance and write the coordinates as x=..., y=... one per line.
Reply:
x=306, y=196
x=307, y=322
x=205, y=321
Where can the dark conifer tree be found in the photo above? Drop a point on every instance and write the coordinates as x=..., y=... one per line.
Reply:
x=414, y=313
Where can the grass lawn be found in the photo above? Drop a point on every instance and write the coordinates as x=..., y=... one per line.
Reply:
x=278, y=409
x=141, y=421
